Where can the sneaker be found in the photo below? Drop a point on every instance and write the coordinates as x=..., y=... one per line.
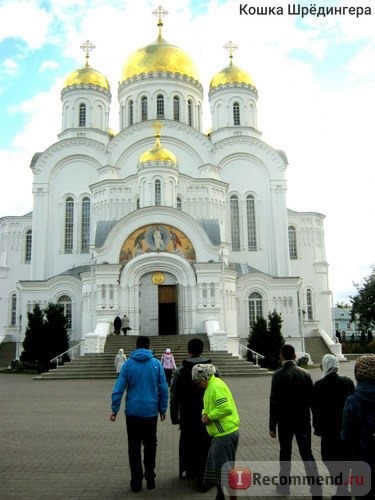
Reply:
x=136, y=487
x=150, y=484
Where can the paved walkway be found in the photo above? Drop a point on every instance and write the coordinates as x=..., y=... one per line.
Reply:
x=57, y=442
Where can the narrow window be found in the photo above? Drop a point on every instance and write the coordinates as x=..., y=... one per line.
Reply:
x=131, y=112
x=13, y=309
x=157, y=192
x=85, y=225
x=255, y=307
x=251, y=227
x=292, y=235
x=82, y=115
x=69, y=219
x=144, y=109
x=309, y=304
x=235, y=222
x=66, y=302
x=176, y=109
x=179, y=203
x=28, y=245
x=160, y=107
x=190, y=113
x=236, y=114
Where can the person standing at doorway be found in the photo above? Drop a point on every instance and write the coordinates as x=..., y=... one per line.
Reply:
x=117, y=323
x=143, y=379
x=169, y=364
x=125, y=324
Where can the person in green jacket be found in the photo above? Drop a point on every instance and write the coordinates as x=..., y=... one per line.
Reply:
x=222, y=422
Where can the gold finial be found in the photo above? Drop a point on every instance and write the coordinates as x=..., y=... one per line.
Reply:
x=87, y=46
x=161, y=12
x=157, y=126
x=230, y=47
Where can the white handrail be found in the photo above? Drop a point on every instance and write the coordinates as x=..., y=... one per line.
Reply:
x=71, y=352
x=254, y=353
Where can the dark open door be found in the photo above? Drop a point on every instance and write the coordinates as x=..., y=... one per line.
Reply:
x=167, y=310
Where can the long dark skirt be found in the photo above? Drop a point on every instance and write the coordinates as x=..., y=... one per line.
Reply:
x=223, y=449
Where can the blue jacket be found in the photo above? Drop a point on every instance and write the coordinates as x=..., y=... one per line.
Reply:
x=143, y=378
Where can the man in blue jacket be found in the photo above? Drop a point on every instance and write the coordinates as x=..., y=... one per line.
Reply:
x=142, y=376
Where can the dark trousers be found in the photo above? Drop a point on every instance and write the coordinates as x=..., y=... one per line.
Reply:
x=193, y=450
x=168, y=375
x=141, y=431
x=303, y=438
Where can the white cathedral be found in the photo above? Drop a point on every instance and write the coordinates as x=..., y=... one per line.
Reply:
x=182, y=230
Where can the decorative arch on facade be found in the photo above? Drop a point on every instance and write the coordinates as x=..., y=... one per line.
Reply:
x=157, y=238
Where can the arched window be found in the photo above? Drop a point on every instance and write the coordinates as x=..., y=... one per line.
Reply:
x=179, y=203
x=236, y=114
x=190, y=113
x=85, y=225
x=235, y=222
x=160, y=107
x=144, y=108
x=176, y=109
x=28, y=242
x=255, y=307
x=82, y=115
x=66, y=302
x=131, y=112
x=251, y=226
x=13, y=309
x=157, y=192
x=309, y=304
x=69, y=220
x=292, y=235
x=137, y=202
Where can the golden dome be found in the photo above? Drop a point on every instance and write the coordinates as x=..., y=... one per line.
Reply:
x=157, y=152
x=87, y=75
x=231, y=74
x=159, y=56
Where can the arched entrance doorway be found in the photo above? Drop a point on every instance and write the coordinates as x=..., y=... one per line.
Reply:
x=158, y=304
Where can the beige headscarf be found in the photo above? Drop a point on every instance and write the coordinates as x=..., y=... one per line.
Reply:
x=330, y=364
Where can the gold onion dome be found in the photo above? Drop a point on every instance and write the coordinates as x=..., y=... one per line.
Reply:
x=159, y=56
x=232, y=73
x=157, y=153
x=87, y=75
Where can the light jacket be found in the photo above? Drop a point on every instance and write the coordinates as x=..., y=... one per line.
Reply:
x=219, y=406
x=168, y=362
x=143, y=378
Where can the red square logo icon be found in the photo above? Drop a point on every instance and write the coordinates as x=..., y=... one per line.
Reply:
x=239, y=478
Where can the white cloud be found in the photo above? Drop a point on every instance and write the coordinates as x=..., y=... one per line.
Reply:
x=47, y=65
x=10, y=67
x=25, y=20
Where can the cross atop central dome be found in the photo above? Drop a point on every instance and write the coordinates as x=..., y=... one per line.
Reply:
x=159, y=56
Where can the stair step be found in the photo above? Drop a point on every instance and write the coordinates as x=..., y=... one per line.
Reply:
x=101, y=366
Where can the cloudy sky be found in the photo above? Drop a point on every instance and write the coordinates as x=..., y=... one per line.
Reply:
x=315, y=78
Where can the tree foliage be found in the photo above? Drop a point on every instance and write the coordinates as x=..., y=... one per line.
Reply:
x=45, y=336
x=267, y=339
x=363, y=303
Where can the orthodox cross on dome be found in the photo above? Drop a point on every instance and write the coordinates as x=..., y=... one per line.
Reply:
x=160, y=12
x=230, y=47
x=157, y=126
x=87, y=46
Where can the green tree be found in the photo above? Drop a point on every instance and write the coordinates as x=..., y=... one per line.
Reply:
x=266, y=339
x=34, y=337
x=57, y=338
x=45, y=336
x=363, y=304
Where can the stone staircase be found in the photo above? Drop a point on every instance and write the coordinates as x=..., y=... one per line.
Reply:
x=317, y=348
x=7, y=353
x=101, y=366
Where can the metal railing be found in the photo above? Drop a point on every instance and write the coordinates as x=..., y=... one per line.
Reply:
x=71, y=352
x=256, y=355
